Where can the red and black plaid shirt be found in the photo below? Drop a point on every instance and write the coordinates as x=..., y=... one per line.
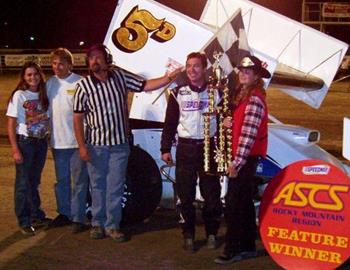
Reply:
x=253, y=115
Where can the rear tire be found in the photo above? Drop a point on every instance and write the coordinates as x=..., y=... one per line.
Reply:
x=143, y=187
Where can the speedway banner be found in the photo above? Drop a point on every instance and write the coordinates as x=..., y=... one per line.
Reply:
x=148, y=38
x=18, y=60
x=336, y=10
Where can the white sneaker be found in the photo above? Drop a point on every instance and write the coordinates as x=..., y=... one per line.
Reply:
x=211, y=242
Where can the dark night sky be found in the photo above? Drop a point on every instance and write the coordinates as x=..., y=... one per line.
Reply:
x=56, y=23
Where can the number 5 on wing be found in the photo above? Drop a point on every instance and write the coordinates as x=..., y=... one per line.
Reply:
x=132, y=34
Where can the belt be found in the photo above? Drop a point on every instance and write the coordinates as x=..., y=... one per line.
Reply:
x=20, y=137
x=191, y=141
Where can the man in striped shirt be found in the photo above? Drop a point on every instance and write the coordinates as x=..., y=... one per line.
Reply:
x=101, y=99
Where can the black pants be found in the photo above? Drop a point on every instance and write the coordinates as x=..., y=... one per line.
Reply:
x=189, y=165
x=240, y=211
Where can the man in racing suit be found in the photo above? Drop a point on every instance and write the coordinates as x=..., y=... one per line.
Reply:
x=184, y=115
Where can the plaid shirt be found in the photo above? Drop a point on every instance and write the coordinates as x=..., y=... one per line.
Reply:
x=253, y=115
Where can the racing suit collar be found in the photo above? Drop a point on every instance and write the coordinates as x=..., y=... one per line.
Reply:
x=198, y=89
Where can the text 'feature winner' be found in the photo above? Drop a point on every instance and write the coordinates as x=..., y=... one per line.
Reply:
x=303, y=221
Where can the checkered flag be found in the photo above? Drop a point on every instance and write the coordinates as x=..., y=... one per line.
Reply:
x=231, y=41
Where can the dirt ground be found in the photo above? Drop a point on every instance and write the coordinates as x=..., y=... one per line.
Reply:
x=155, y=243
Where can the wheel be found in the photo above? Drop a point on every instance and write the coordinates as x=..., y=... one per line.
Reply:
x=143, y=187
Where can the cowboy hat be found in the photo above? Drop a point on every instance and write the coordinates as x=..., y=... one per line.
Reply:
x=253, y=62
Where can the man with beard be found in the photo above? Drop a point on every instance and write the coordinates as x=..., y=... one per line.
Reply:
x=101, y=98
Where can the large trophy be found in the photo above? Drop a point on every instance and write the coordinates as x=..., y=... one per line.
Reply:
x=223, y=156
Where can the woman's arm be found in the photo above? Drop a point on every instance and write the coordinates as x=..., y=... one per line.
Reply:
x=11, y=130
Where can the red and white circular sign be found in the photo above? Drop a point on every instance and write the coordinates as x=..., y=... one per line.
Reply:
x=304, y=216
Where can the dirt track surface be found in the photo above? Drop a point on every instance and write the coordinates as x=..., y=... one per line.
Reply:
x=156, y=243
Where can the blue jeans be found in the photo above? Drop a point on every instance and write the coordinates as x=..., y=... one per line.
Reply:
x=107, y=172
x=70, y=198
x=28, y=175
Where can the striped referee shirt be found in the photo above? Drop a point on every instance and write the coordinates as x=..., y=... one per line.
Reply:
x=105, y=106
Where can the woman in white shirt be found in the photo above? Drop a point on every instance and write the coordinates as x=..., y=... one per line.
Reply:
x=28, y=128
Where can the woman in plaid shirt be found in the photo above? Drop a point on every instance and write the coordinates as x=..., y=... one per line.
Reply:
x=249, y=143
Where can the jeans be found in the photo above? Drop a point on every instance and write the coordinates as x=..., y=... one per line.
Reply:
x=72, y=182
x=107, y=172
x=240, y=211
x=189, y=166
x=28, y=175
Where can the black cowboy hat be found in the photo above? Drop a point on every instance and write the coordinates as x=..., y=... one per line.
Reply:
x=253, y=62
